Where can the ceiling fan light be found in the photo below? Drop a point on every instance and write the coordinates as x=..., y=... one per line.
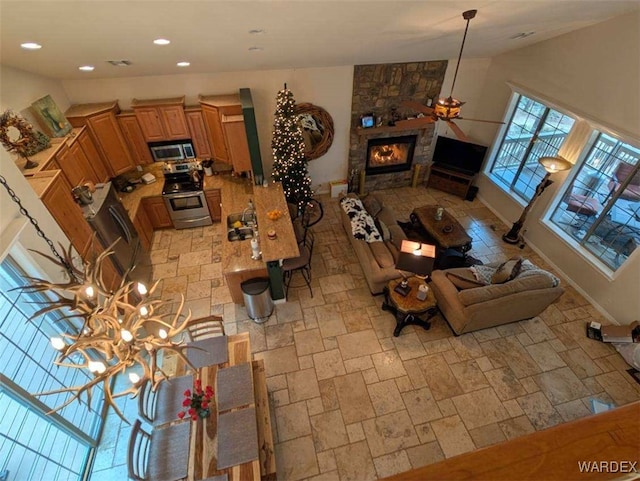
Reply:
x=447, y=109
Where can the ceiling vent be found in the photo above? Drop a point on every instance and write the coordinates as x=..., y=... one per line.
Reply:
x=119, y=63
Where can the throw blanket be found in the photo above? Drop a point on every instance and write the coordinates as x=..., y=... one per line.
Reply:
x=362, y=224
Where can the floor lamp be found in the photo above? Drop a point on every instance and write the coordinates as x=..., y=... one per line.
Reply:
x=551, y=165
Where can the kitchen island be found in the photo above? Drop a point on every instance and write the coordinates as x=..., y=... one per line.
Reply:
x=235, y=193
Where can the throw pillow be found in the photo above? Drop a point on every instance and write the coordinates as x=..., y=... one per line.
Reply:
x=362, y=225
x=483, y=273
x=381, y=254
x=507, y=270
x=384, y=230
x=373, y=205
x=464, y=280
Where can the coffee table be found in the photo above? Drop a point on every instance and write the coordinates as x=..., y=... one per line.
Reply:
x=446, y=232
x=408, y=308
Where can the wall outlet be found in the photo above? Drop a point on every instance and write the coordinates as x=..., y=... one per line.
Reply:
x=139, y=168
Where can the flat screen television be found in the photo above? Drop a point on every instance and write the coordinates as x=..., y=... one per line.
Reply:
x=457, y=155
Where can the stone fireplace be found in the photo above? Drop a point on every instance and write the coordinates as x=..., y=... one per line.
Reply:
x=379, y=90
x=390, y=154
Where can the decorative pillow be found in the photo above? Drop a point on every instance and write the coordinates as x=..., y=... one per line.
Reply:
x=483, y=273
x=381, y=254
x=362, y=225
x=507, y=270
x=464, y=279
x=528, y=269
x=373, y=205
x=383, y=229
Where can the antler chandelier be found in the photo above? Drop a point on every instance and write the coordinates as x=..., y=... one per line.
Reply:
x=117, y=332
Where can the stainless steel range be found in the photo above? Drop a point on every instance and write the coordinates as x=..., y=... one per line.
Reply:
x=183, y=194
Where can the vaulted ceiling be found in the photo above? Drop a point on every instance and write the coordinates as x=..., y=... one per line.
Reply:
x=215, y=36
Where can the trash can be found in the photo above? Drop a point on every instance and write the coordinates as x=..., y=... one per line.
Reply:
x=257, y=298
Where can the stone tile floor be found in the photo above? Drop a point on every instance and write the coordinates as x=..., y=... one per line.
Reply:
x=350, y=401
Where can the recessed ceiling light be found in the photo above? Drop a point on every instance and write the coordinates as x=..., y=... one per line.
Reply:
x=255, y=49
x=256, y=31
x=86, y=68
x=183, y=64
x=31, y=46
x=521, y=35
x=162, y=41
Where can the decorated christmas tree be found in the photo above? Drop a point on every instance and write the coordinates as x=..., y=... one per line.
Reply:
x=289, y=161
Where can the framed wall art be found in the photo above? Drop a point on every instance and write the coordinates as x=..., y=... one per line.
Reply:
x=50, y=117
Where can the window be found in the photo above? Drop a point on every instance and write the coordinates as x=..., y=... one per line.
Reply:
x=601, y=207
x=534, y=131
x=35, y=445
x=598, y=212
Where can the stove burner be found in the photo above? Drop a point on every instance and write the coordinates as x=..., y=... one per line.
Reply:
x=178, y=186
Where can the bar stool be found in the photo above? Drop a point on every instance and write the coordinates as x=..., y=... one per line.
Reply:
x=302, y=263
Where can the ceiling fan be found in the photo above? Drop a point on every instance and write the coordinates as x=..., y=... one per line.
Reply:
x=445, y=109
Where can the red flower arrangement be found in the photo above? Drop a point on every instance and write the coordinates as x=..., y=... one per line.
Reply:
x=197, y=402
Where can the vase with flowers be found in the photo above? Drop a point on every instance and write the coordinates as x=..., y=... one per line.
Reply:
x=197, y=402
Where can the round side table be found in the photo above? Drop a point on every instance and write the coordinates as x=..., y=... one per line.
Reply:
x=409, y=310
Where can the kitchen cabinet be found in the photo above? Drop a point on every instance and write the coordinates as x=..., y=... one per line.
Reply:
x=144, y=227
x=161, y=119
x=225, y=127
x=79, y=160
x=198, y=132
x=157, y=212
x=93, y=156
x=58, y=199
x=236, y=137
x=135, y=138
x=213, y=201
x=100, y=118
x=75, y=165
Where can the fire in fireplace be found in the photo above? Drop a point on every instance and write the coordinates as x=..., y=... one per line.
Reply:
x=390, y=154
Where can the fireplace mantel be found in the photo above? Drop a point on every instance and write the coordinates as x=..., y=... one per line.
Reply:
x=386, y=130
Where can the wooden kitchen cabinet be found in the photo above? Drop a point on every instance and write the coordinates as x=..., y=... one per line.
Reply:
x=135, y=138
x=58, y=199
x=198, y=132
x=80, y=161
x=213, y=201
x=236, y=136
x=144, y=227
x=103, y=126
x=225, y=127
x=93, y=156
x=75, y=165
x=161, y=119
x=157, y=212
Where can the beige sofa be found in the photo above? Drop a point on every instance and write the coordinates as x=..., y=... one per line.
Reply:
x=472, y=307
x=376, y=258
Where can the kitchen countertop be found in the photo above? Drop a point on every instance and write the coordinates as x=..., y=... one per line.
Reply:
x=235, y=194
x=285, y=244
x=45, y=156
x=41, y=181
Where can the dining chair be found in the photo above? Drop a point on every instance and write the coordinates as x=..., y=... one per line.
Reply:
x=147, y=402
x=301, y=264
x=158, y=455
x=138, y=455
x=205, y=327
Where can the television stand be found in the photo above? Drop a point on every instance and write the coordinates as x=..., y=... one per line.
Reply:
x=451, y=181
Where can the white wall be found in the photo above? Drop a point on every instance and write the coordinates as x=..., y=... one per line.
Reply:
x=329, y=88
x=17, y=91
x=595, y=73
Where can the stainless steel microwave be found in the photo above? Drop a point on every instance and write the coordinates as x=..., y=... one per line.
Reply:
x=172, y=150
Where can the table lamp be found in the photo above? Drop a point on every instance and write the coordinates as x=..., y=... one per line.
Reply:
x=416, y=258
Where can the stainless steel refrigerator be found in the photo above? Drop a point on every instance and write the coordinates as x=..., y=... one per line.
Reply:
x=110, y=221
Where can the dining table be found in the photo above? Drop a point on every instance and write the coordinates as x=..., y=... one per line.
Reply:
x=240, y=432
